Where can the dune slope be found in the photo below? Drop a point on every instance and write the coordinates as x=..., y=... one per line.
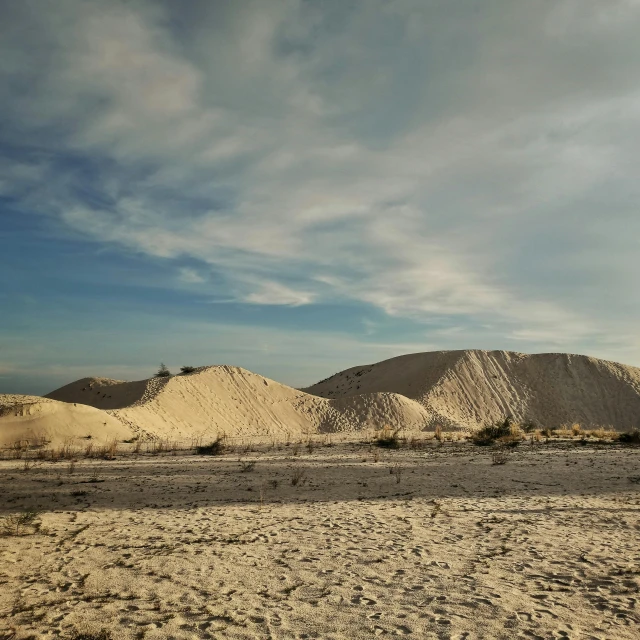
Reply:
x=35, y=419
x=470, y=388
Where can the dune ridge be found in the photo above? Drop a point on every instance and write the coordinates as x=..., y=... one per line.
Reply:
x=474, y=387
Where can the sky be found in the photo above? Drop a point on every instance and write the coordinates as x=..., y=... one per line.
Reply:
x=297, y=186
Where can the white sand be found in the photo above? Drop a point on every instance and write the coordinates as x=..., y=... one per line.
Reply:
x=473, y=388
x=545, y=546
x=236, y=402
x=34, y=419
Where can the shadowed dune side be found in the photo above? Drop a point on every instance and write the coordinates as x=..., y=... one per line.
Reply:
x=105, y=393
x=33, y=419
x=472, y=388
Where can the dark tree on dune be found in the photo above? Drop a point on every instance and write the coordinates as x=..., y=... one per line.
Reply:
x=163, y=372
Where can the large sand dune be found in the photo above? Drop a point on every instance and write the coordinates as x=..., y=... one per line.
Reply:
x=471, y=388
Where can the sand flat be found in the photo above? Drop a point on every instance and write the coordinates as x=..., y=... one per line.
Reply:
x=429, y=543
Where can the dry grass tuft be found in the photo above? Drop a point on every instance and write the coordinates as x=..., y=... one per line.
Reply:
x=299, y=477
x=21, y=524
x=215, y=448
x=387, y=438
x=500, y=456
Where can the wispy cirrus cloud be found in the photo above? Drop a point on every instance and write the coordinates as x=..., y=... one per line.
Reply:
x=423, y=159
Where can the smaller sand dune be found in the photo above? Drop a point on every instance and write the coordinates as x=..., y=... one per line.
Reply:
x=35, y=419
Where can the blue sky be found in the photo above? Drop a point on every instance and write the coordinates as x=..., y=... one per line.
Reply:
x=296, y=187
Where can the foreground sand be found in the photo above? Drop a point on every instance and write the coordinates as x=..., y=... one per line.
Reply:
x=433, y=543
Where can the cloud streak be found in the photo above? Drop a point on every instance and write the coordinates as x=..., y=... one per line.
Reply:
x=423, y=159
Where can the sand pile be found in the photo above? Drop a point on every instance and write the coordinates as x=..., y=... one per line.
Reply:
x=238, y=403
x=38, y=420
x=455, y=389
x=470, y=388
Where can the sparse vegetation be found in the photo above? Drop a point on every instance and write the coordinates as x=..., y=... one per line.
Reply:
x=500, y=456
x=630, y=437
x=246, y=466
x=214, y=448
x=187, y=369
x=299, y=477
x=21, y=524
x=387, y=438
x=505, y=431
x=163, y=371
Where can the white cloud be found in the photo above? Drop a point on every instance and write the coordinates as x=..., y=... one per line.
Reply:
x=424, y=176
x=190, y=276
x=274, y=293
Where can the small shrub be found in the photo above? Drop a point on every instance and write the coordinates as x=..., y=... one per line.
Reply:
x=396, y=470
x=214, y=448
x=247, y=466
x=528, y=426
x=547, y=433
x=576, y=429
x=21, y=524
x=500, y=456
x=505, y=431
x=387, y=438
x=163, y=371
x=186, y=369
x=630, y=437
x=438, y=433
x=299, y=477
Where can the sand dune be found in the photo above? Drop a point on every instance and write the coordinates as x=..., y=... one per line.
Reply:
x=471, y=388
x=33, y=418
x=236, y=402
x=455, y=389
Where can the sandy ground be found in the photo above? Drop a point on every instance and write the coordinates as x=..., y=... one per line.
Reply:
x=431, y=543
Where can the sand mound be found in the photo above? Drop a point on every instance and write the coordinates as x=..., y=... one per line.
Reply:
x=471, y=388
x=238, y=403
x=38, y=420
